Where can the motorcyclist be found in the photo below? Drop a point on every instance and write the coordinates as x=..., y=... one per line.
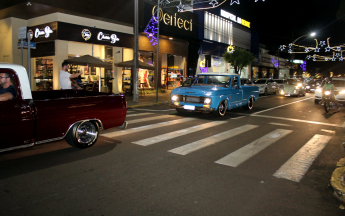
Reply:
x=329, y=86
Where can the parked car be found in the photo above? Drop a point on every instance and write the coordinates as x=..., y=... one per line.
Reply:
x=214, y=92
x=339, y=84
x=293, y=87
x=266, y=86
x=36, y=117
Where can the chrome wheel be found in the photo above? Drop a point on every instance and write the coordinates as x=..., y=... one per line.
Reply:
x=250, y=104
x=221, y=109
x=86, y=133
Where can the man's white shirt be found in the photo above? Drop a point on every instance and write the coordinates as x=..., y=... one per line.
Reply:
x=64, y=79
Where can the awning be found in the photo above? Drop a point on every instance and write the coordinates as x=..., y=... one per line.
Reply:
x=130, y=64
x=90, y=61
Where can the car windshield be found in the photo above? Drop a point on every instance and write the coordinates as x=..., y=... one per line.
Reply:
x=339, y=83
x=210, y=80
x=292, y=81
x=260, y=81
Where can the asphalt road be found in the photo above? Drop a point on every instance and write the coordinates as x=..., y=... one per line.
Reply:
x=274, y=160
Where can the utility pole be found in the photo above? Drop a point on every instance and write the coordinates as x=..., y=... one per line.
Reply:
x=157, y=63
x=135, y=68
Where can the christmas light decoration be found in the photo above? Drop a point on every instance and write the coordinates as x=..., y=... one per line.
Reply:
x=164, y=3
x=338, y=48
x=230, y=49
x=304, y=66
x=180, y=7
x=337, y=55
x=151, y=30
x=234, y=1
x=328, y=49
x=322, y=43
x=290, y=51
x=334, y=59
x=326, y=59
x=308, y=57
x=341, y=59
x=213, y=3
x=258, y=0
x=282, y=47
x=306, y=50
x=275, y=62
x=317, y=49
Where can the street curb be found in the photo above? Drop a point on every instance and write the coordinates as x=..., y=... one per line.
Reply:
x=146, y=105
x=338, y=181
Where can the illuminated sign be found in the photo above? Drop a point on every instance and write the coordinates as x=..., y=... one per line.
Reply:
x=107, y=37
x=202, y=63
x=173, y=20
x=86, y=34
x=41, y=32
x=234, y=18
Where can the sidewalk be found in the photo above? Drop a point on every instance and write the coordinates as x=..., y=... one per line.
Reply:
x=148, y=99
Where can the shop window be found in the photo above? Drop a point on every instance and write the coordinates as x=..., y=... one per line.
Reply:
x=255, y=72
x=172, y=71
x=44, y=74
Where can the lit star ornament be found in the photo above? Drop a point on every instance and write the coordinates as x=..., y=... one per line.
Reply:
x=338, y=48
x=180, y=7
x=334, y=59
x=341, y=59
x=213, y=3
x=290, y=45
x=258, y=0
x=308, y=57
x=306, y=50
x=328, y=49
x=314, y=59
x=322, y=43
x=326, y=59
x=337, y=55
x=164, y=2
x=290, y=51
x=234, y=1
x=282, y=47
x=317, y=49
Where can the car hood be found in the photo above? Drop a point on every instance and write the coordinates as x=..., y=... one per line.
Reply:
x=200, y=90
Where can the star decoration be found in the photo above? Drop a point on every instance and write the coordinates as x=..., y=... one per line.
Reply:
x=328, y=49
x=290, y=51
x=314, y=56
x=333, y=59
x=164, y=2
x=326, y=59
x=337, y=55
x=290, y=45
x=180, y=7
x=306, y=50
x=213, y=2
x=341, y=59
x=308, y=57
x=314, y=59
x=317, y=49
x=282, y=47
x=234, y=1
x=258, y=0
x=322, y=43
x=338, y=48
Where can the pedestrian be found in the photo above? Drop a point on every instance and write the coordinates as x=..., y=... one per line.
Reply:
x=65, y=77
x=7, y=91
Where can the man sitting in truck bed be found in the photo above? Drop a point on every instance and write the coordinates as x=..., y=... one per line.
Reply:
x=7, y=89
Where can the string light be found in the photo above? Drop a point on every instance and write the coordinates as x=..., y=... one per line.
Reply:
x=234, y=1
x=322, y=43
x=213, y=3
x=282, y=47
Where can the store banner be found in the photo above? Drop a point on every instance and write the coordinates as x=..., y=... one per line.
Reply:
x=78, y=33
x=172, y=24
x=42, y=33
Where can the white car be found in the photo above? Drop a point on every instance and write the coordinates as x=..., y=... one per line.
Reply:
x=293, y=87
x=266, y=86
x=339, y=84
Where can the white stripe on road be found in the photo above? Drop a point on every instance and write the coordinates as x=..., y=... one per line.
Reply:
x=238, y=117
x=328, y=131
x=139, y=114
x=194, y=146
x=154, y=110
x=171, y=135
x=298, y=120
x=146, y=127
x=149, y=119
x=130, y=111
x=241, y=155
x=280, y=106
x=295, y=168
x=279, y=124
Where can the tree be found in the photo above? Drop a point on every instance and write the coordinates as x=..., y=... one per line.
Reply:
x=239, y=59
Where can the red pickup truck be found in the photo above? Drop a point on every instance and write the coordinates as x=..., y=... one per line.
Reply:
x=36, y=117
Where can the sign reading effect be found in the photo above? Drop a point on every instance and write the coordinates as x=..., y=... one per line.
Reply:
x=173, y=20
x=232, y=17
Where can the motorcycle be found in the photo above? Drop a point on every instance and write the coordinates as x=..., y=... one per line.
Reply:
x=328, y=104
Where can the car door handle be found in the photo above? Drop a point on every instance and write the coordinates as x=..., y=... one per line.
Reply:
x=21, y=106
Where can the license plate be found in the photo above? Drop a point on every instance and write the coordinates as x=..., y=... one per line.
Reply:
x=188, y=107
x=192, y=99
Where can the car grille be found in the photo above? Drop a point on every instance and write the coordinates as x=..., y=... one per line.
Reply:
x=190, y=99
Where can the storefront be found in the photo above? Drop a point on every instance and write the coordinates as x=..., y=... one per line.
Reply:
x=222, y=33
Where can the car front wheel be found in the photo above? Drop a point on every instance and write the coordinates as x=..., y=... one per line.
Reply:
x=250, y=104
x=221, y=109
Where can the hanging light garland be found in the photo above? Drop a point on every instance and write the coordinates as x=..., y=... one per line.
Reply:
x=337, y=50
x=151, y=30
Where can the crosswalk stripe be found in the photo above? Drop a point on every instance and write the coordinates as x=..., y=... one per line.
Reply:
x=279, y=124
x=241, y=155
x=146, y=127
x=130, y=111
x=295, y=168
x=149, y=119
x=139, y=114
x=174, y=134
x=328, y=131
x=194, y=146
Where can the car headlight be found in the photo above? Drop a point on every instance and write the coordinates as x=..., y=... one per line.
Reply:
x=308, y=87
x=207, y=101
x=319, y=90
x=174, y=98
x=327, y=92
x=281, y=91
x=299, y=85
x=342, y=92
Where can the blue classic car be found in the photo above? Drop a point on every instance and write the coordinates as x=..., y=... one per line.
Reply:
x=214, y=92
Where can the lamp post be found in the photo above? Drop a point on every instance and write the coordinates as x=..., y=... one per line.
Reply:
x=293, y=55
